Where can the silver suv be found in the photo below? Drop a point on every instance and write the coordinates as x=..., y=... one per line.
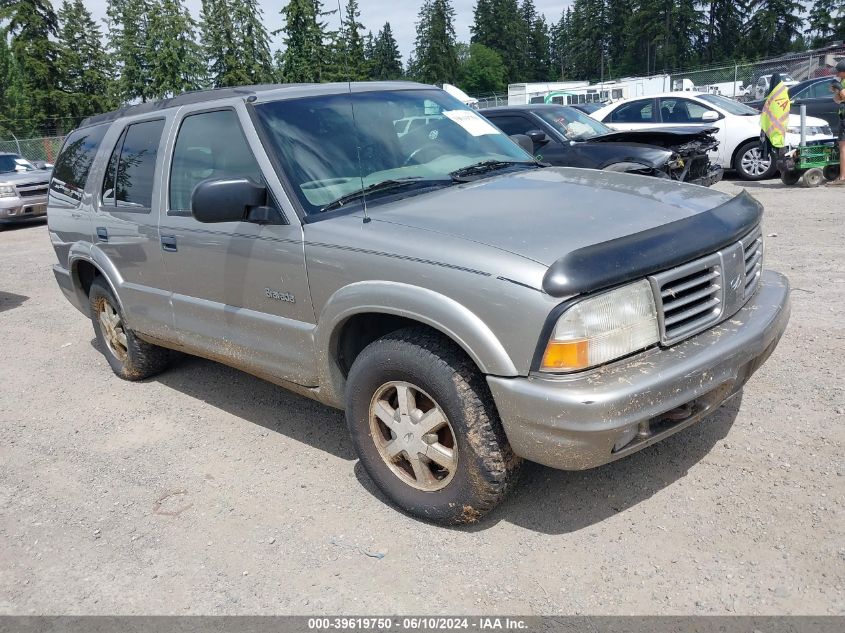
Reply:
x=466, y=306
x=23, y=189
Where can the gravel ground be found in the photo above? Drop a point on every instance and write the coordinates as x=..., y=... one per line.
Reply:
x=209, y=491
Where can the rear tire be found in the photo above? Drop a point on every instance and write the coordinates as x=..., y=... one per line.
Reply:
x=750, y=165
x=447, y=413
x=790, y=177
x=129, y=357
x=812, y=177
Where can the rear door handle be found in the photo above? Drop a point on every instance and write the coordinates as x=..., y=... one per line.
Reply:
x=102, y=234
x=168, y=243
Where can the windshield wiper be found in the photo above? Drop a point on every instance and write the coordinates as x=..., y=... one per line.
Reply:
x=384, y=185
x=487, y=166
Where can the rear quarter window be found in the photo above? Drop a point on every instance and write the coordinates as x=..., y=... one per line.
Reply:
x=70, y=173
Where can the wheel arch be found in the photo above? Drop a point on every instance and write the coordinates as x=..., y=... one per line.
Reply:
x=88, y=264
x=360, y=313
x=738, y=147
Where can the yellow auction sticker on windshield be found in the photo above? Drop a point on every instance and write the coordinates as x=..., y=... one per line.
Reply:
x=473, y=123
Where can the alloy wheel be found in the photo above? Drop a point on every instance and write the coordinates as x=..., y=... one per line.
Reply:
x=413, y=436
x=754, y=164
x=111, y=325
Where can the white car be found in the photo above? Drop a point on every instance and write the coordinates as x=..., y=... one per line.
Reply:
x=738, y=125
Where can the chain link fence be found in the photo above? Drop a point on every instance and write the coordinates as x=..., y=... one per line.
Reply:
x=750, y=81
x=491, y=101
x=41, y=149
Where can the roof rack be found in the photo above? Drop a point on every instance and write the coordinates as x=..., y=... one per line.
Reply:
x=187, y=98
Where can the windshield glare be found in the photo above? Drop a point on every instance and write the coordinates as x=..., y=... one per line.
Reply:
x=11, y=163
x=333, y=145
x=572, y=123
x=729, y=105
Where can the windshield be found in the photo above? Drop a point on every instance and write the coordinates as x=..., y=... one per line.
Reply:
x=729, y=105
x=572, y=123
x=332, y=146
x=11, y=162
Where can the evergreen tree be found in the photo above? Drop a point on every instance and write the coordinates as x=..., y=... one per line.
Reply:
x=386, y=60
x=773, y=27
x=175, y=59
x=253, y=42
x=32, y=24
x=724, y=29
x=435, y=54
x=82, y=64
x=351, y=45
x=128, y=42
x=308, y=44
x=822, y=22
x=537, y=52
x=498, y=25
x=560, y=46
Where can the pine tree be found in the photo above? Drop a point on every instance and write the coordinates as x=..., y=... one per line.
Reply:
x=724, y=29
x=482, y=72
x=773, y=27
x=386, y=61
x=32, y=24
x=253, y=42
x=308, y=44
x=498, y=25
x=822, y=22
x=174, y=56
x=353, y=59
x=82, y=64
x=537, y=51
x=435, y=54
x=128, y=45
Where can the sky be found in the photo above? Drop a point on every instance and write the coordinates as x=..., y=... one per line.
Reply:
x=402, y=15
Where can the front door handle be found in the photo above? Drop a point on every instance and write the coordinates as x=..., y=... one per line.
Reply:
x=102, y=234
x=168, y=243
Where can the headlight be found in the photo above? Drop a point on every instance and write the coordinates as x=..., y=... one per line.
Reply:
x=601, y=328
x=8, y=191
x=816, y=130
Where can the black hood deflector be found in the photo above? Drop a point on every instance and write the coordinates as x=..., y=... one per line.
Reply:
x=634, y=256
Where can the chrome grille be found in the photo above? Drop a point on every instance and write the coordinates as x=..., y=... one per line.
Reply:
x=752, y=252
x=34, y=189
x=690, y=298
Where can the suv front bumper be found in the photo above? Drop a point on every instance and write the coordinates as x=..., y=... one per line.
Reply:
x=583, y=421
x=17, y=209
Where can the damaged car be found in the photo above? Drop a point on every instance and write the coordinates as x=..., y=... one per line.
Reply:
x=565, y=137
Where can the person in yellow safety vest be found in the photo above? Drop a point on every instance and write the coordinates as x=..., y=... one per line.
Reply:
x=839, y=97
x=775, y=117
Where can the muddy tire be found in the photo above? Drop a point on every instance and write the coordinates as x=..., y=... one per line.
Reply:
x=426, y=430
x=750, y=165
x=129, y=357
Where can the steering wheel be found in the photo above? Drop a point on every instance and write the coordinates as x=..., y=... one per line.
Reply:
x=430, y=144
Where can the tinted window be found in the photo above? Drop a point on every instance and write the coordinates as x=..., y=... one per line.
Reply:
x=572, y=123
x=513, y=124
x=641, y=111
x=210, y=145
x=130, y=178
x=820, y=90
x=681, y=111
x=71, y=170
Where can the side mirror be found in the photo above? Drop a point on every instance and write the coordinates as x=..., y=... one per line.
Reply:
x=710, y=115
x=538, y=137
x=524, y=142
x=230, y=200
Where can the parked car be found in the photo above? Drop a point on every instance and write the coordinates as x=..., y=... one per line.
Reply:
x=816, y=95
x=565, y=137
x=759, y=86
x=738, y=126
x=467, y=306
x=23, y=189
x=587, y=108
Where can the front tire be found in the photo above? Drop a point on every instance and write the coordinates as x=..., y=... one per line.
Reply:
x=750, y=164
x=129, y=357
x=426, y=430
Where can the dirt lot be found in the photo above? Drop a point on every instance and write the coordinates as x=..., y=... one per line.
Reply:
x=209, y=491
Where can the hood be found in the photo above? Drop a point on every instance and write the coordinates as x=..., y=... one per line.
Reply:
x=548, y=214
x=662, y=137
x=27, y=177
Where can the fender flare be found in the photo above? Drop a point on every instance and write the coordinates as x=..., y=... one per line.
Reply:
x=87, y=252
x=428, y=307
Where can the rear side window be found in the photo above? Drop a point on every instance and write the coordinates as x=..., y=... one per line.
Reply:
x=513, y=124
x=641, y=111
x=210, y=145
x=131, y=169
x=71, y=170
